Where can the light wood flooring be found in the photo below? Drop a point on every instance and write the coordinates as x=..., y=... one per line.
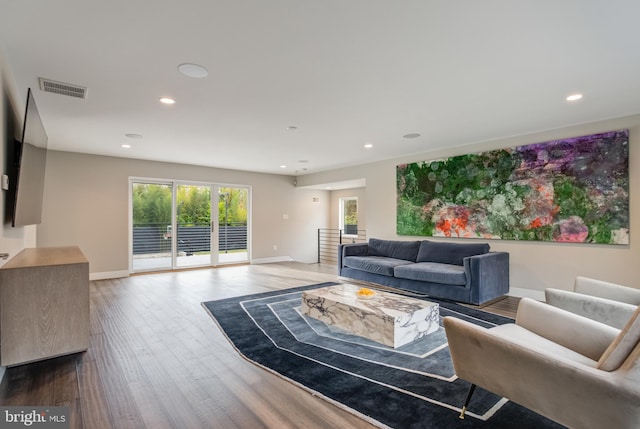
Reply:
x=157, y=360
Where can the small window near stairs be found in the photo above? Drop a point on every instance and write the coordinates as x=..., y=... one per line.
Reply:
x=349, y=215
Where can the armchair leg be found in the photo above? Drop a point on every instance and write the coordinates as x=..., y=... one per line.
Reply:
x=472, y=388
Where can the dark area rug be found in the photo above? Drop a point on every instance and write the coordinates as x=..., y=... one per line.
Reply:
x=413, y=386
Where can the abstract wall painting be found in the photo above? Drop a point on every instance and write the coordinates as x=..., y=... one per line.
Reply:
x=572, y=190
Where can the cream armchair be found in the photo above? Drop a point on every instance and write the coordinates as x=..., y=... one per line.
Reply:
x=604, y=302
x=574, y=370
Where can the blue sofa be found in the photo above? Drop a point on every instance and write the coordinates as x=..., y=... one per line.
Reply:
x=461, y=272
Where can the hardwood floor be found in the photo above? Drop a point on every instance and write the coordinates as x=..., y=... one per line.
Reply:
x=157, y=360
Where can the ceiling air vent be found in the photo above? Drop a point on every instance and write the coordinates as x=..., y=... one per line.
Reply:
x=48, y=85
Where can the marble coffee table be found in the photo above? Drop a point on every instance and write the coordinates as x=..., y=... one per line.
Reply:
x=387, y=318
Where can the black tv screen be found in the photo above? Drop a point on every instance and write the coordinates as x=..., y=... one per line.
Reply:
x=30, y=162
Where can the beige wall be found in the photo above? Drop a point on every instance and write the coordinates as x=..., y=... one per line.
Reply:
x=534, y=265
x=86, y=203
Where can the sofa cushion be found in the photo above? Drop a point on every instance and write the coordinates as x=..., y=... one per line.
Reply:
x=407, y=250
x=432, y=272
x=449, y=253
x=374, y=264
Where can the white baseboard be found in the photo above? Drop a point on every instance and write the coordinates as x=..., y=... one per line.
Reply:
x=272, y=260
x=119, y=274
x=528, y=293
x=108, y=275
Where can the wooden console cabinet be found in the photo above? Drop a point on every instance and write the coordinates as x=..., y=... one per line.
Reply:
x=44, y=305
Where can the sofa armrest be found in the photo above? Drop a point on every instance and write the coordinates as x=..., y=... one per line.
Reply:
x=487, y=276
x=607, y=311
x=578, y=333
x=351, y=249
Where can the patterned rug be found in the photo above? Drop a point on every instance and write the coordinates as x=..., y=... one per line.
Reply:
x=413, y=386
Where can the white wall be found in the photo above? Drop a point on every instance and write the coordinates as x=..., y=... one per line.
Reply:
x=86, y=204
x=534, y=265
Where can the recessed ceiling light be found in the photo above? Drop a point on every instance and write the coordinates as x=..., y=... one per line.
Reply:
x=126, y=146
x=368, y=145
x=283, y=166
x=133, y=135
x=167, y=100
x=292, y=128
x=193, y=70
x=574, y=97
x=411, y=136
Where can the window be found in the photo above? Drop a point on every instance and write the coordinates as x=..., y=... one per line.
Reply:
x=349, y=215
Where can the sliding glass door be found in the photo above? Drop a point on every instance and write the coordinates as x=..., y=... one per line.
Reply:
x=173, y=225
x=193, y=219
x=233, y=215
x=151, y=208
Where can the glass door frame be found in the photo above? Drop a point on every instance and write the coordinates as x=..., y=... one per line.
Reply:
x=148, y=181
x=216, y=230
x=176, y=205
x=214, y=221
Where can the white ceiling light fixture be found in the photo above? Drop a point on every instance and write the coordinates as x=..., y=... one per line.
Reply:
x=167, y=100
x=126, y=146
x=283, y=166
x=411, y=136
x=193, y=70
x=368, y=145
x=574, y=97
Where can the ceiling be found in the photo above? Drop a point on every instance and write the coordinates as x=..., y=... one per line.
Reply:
x=344, y=73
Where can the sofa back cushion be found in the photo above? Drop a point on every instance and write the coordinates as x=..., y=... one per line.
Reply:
x=613, y=291
x=449, y=253
x=407, y=250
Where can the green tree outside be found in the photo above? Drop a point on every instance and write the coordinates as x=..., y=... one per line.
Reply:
x=152, y=205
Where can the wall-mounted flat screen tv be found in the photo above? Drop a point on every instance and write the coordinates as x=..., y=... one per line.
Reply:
x=30, y=161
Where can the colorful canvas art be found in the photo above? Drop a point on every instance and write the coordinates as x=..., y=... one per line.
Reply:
x=572, y=190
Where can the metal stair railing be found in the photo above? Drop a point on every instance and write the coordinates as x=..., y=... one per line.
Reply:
x=329, y=239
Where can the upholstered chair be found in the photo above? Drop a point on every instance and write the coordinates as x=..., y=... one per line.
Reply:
x=604, y=302
x=574, y=370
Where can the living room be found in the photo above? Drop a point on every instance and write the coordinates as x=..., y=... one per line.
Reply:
x=86, y=200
